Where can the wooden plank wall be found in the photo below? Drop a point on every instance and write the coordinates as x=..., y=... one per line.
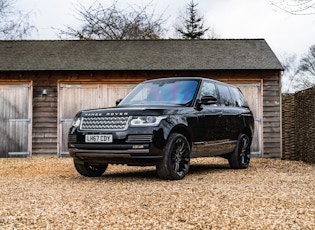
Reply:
x=44, y=118
x=272, y=115
x=45, y=108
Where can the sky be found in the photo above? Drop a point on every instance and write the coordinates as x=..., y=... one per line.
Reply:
x=286, y=34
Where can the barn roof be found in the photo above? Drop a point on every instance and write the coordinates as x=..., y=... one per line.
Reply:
x=235, y=54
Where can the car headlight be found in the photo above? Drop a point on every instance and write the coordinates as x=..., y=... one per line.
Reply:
x=146, y=120
x=76, y=121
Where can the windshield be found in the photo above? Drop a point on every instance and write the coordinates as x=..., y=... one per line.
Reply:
x=166, y=91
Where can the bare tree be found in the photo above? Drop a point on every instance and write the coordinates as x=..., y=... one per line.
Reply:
x=298, y=74
x=290, y=66
x=307, y=63
x=306, y=69
x=14, y=24
x=99, y=22
x=192, y=25
x=296, y=7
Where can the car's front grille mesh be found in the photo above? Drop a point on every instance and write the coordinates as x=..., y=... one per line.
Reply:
x=104, y=123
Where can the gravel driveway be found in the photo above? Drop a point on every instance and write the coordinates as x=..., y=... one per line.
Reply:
x=47, y=193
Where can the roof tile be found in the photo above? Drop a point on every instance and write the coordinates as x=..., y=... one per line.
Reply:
x=37, y=55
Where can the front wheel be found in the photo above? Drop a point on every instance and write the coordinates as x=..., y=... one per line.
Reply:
x=176, y=160
x=240, y=158
x=90, y=170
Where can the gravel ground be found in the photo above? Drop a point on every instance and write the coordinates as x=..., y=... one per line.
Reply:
x=47, y=193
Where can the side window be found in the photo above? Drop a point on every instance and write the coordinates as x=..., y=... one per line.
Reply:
x=238, y=97
x=225, y=96
x=208, y=89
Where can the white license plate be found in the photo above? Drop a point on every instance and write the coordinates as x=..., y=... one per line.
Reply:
x=99, y=138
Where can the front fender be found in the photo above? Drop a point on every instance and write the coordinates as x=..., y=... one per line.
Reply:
x=173, y=124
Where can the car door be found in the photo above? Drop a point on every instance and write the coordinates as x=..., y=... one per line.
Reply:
x=232, y=120
x=242, y=114
x=212, y=113
x=209, y=122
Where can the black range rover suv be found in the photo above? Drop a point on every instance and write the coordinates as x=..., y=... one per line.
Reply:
x=164, y=122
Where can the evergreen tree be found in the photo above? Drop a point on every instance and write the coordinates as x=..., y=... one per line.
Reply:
x=193, y=27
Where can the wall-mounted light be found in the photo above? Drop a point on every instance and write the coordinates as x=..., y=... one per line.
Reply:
x=44, y=93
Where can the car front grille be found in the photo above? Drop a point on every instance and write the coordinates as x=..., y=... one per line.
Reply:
x=104, y=123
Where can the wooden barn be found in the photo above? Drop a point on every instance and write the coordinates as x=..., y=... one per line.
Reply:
x=44, y=83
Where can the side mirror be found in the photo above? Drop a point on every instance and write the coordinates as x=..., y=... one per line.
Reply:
x=118, y=101
x=208, y=100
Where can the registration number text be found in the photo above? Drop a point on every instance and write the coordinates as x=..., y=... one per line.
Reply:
x=99, y=138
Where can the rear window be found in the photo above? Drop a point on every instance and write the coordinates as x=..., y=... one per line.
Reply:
x=238, y=97
x=225, y=96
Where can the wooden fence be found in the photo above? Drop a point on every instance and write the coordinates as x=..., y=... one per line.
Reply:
x=298, y=126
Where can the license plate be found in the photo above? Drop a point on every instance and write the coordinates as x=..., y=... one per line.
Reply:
x=99, y=138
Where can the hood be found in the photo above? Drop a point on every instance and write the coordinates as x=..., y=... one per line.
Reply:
x=133, y=110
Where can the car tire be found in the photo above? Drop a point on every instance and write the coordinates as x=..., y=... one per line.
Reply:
x=176, y=160
x=90, y=170
x=240, y=158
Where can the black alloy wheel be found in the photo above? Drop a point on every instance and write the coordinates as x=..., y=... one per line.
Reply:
x=90, y=170
x=240, y=158
x=176, y=161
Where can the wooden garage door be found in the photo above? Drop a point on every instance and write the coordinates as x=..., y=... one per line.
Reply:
x=252, y=93
x=15, y=120
x=76, y=97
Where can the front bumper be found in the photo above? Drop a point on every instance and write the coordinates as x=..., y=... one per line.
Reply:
x=139, y=157
x=121, y=151
x=135, y=146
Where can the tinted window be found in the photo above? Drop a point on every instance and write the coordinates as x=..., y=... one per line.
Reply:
x=225, y=96
x=238, y=97
x=208, y=89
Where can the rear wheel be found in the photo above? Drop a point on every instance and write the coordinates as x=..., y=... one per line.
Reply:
x=90, y=170
x=176, y=161
x=240, y=158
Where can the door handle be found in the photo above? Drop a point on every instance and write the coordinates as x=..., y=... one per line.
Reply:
x=220, y=114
